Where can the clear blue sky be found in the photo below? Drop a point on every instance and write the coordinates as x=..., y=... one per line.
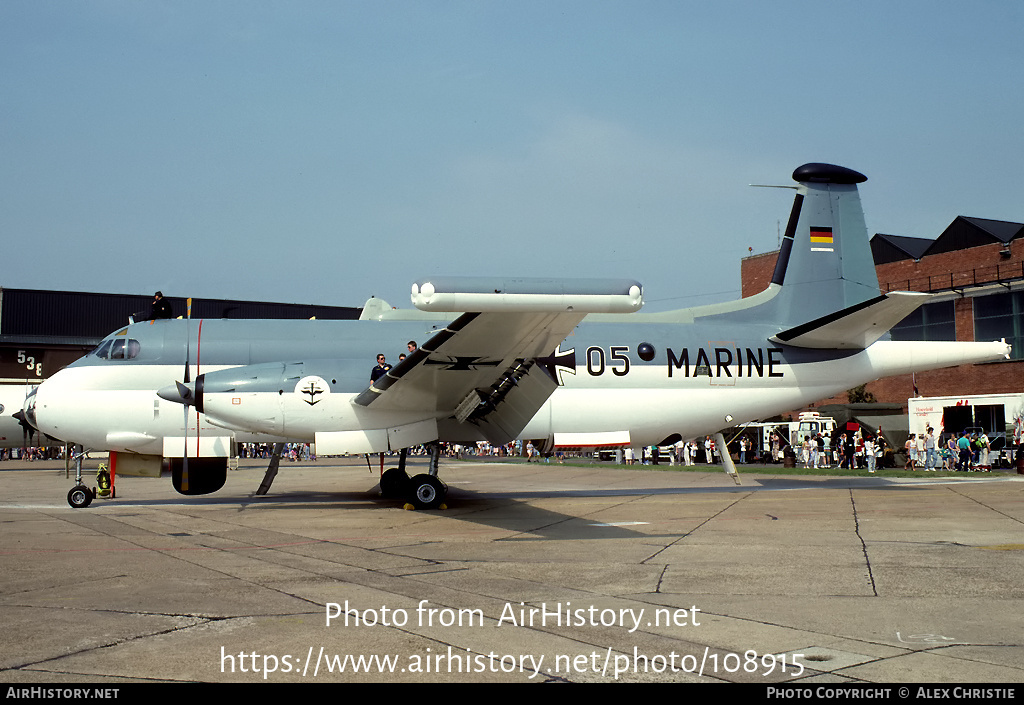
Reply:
x=323, y=152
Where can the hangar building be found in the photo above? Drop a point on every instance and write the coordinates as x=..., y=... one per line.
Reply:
x=43, y=331
x=975, y=270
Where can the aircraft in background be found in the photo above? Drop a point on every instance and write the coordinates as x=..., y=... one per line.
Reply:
x=14, y=432
x=565, y=363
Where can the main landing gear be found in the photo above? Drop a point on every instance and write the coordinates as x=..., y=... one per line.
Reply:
x=423, y=491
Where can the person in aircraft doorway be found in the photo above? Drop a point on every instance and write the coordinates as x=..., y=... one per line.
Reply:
x=380, y=369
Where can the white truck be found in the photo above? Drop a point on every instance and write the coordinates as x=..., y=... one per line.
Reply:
x=999, y=416
x=808, y=423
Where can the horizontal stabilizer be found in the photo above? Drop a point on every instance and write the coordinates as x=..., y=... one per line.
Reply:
x=856, y=327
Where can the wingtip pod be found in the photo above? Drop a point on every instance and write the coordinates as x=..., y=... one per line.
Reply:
x=1007, y=348
x=818, y=173
x=461, y=294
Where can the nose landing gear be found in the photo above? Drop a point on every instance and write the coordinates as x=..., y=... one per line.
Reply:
x=80, y=496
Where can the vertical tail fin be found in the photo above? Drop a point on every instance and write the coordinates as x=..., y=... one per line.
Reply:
x=825, y=263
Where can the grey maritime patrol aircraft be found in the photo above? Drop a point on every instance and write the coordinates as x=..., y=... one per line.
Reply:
x=14, y=431
x=563, y=363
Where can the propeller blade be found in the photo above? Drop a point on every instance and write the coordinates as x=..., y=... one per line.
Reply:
x=184, y=392
x=27, y=429
x=188, y=348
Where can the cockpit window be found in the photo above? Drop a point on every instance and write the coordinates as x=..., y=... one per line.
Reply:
x=103, y=350
x=118, y=349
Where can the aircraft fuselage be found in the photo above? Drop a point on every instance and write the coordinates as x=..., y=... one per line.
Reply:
x=652, y=379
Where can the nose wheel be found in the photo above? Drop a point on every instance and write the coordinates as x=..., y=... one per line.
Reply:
x=80, y=497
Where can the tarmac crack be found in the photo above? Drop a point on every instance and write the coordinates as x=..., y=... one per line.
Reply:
x=661, y=579
x=986, y=506
x=863, y=544
x=582, y=516
x=695, y=529
x=30, y=665
x=177, y=555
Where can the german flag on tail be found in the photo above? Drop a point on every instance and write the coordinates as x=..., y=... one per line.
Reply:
x=821, y=239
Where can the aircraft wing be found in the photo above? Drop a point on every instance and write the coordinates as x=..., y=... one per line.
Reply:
x=494, y=367
x=855, y=327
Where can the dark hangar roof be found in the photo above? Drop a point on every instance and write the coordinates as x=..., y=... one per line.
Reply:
x=966, y=232
x=893, y=248
x=963, y=233
x=36, y=312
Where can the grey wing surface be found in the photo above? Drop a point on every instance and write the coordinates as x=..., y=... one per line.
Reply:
x=481, y=375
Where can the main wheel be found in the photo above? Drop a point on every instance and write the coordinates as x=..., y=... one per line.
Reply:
x=80, y=497
x=394, y=483
x=428, y=492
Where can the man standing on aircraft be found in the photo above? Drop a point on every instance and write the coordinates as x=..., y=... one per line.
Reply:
x=161, y=309
x=412, y=346
x=380, y=369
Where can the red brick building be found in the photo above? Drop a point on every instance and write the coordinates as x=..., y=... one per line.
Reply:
x=975, y=269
